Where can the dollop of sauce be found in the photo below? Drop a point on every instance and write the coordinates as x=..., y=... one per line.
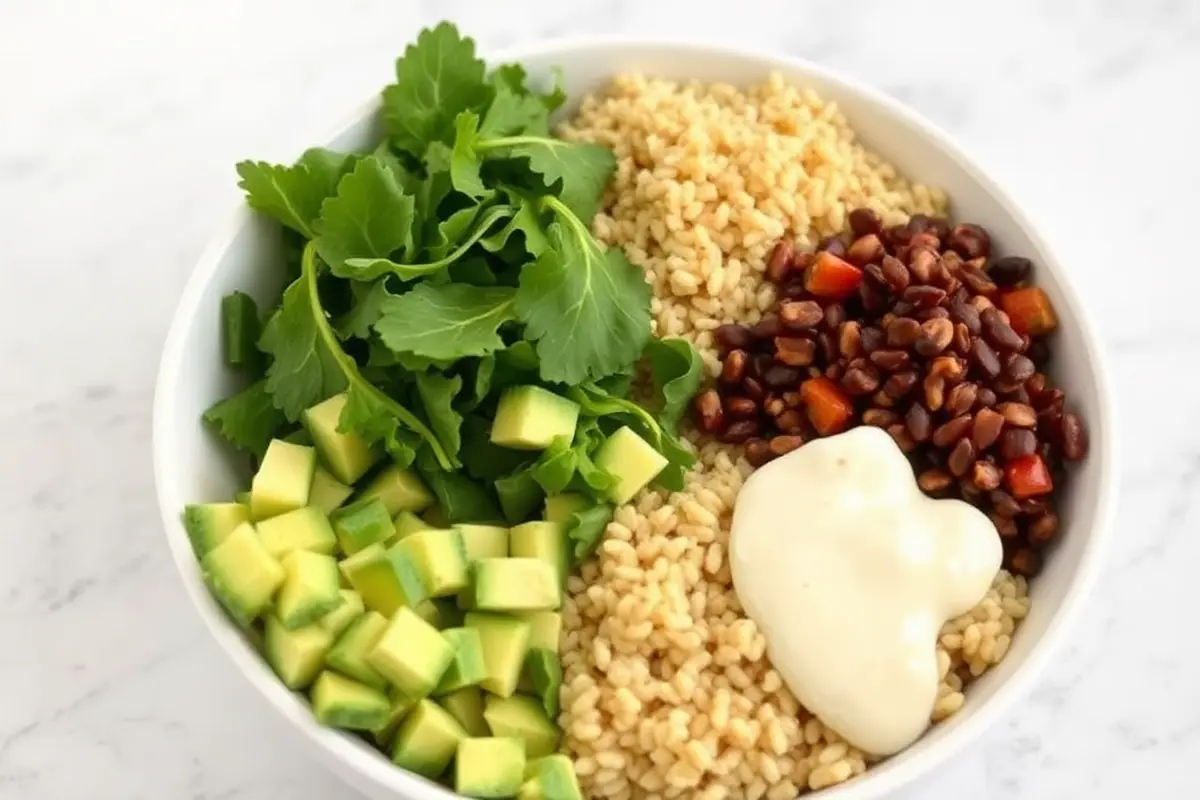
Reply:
x=850, y=571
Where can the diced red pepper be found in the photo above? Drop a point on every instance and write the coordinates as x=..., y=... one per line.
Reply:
x=1029, y=311
x=830, y=276
x=1028, y=476
x=828, y=407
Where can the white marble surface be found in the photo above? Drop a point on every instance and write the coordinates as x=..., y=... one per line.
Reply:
x=119, y=124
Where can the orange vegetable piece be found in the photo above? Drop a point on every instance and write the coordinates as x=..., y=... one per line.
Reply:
x=1028, y=476
x=1029, y=311
x=830, y=276
x=828, y=407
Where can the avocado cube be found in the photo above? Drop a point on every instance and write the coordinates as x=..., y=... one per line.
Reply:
x=327, y=493
x=484, y=541
x=242, y=574
x=505, y=642
x=553, y=778
x=399, y=489
x=340, y=702
x=530, y=418
x=405, y=523
x=468, y=667
x=411, y=654
x=283, y=479
x=544, y=540
x=466, y=706
x=295, y=655
x=440, y=558
x=310, y=588
x=489, y=767
x=361, y=524
x=544, y=670
x=386, y=582
x=631, y=460
x=347, y=454
x=401, y=705
x=545, y=628
x=560, y=507
x=207, y=524
x=349, y=653
x=302, y=529
x=427, y=740
x=523, y=718
x=515, y=584
x=350, y=609
x=440, y=613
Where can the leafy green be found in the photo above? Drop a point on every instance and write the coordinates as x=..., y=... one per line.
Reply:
x=526, y=222
x=545, y=673
x=677, y=371
x=293, y=194
x=247, y=420
x=369, y=217
x=587, y=309
x=460, y=498
x=438, y=77
x=514, y=110
x=554, y=470
x=585, y=529
x=464, y=164
x=240, y=329
x=519, y=495
x=484, y=460
x=451, y=232
x=481, y=383
x=365, y=312
x=450, y=321
x=575, y=172
x=367, y=413
x=437, y=394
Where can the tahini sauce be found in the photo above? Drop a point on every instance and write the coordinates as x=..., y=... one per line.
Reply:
x=850, y=572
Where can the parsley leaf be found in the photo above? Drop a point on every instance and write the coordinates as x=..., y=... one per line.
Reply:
x=677, y=370
x=366, y=311
x=248, y=419
x=575, y=172
x=437, y=393
x=369, y=217
x=526, y=222
x=449, y=321
x=366, y=413
x=585, y=529
x=437, y=77
x=464, y=163
x=588, y=309
x=519, y=495
x=554, y=470
x=293, y=195
x=459, y=497
x=515, y=111
x=451, y=231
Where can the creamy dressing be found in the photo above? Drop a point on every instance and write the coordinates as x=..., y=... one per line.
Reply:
x=850, y=571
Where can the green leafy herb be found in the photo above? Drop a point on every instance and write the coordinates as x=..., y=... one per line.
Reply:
x=365, y=312
x=484, y=460
x=575, y=172
x=370, y=217
x=585, y=529
x=460, y=498
x=587, y=309
x=240, y=329
x=554, y=470
x=519, y=495
x=450, y=321
x=437, y=393
x=464, y=164
x=677, y=371
x=293, y=195
x=368, y=414
x=248, y=419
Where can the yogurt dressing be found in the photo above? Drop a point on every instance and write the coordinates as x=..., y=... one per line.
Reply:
x=850, y=571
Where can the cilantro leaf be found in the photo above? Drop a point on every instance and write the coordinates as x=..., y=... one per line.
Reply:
x=449, y=321
x=367, y=414
x=556, y=466
x=369, y=217
x=527, y=222
x=587, y=309
x=515, y=111
x=512, y=77
x=677, y=370
x=437, y=393
x=519, y=495
x=464, y=161
x=459, y=498
x=576, y=172
x=585, y=529
x=248, y=419
x=368, y=307
x=451, y=231
x=293, y=195
x=437, y=77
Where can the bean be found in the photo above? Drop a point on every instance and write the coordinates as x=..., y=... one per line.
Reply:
x=986, y=428
x=835, y=315
x=895, y=274
x=734, y=368
x=866, y=249
x=800, y=315
x=902, y=332
x=740, y=407
x=935, y=391
x=863, y=221
x=1042, y=529
x=871, y=339
x=890, y=360
x=950, y=432
x=998, y=332
x=1010, y=270
x=781, y=445
x=758, y=452
x=733, y=337
x=753, y=388
x=902, y=437
x=850, y=338
x=1004, y=503
x=985, y=357
x=918, y=422
x=964, y=312
x=986, y=476
x=790, y=421
x=880, y=417
x=961, y=458
x=921, y=264
x=766, y=328
x=1026, y=562
x=1074, y=438
x=860, y=380
x=969, y=241
x=781, y=377
x=795, y=352
x=936, y=335
x=924, y=296
x=833, y=245
x=961, y=398
x=900, y=384
x=738, y=432
x=934, y=480
x=1016, y=443
x=1005, y=526
x=1018, y=368
x=780, y=261
x=710, y=416
x=1018, y=415
x=828, y=345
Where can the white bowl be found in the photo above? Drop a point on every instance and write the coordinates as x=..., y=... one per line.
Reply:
x=190, y=465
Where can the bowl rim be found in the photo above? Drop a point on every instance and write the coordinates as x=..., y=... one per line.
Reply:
x=383, y=775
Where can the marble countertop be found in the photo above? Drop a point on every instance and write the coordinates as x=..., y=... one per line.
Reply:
x=119, y=124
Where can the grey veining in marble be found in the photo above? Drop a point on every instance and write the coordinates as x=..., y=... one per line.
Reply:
x=119, y=124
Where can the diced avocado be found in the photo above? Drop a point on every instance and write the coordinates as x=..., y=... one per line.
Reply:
x=515, y=584
x=523, y=718
x=560, y=507
x=385, y=583
x=347, y=454
x=401, y=705
x=440, y=557
x=544, y=540
x=484, y=541
x=530, y=418
x=427, y=740
x=435, y=517
x=360, y=524
x=487, y=767
x=310, y=588
x=466, y=706
x=440, y=613
x=631, y=460
x=545, y=628
x=302, y=529
x=340, y=702
x=296, y=655
x=208, y=524
x=399, y=489
x=405, y=523
x=544, y=670
x=553, y=777
x=411, y=654
x=342, y=615
x=283, y=479
x=468, y=667
x=505, y=641
x=244, y=499
x=242, y=574
x=349, y=653
x=530, y=789
x=519, y=494
x=327, y=493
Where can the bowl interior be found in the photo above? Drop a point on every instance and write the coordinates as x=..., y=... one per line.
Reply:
x=191, y=465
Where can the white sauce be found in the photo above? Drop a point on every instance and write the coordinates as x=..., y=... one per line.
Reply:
x=850, y=571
